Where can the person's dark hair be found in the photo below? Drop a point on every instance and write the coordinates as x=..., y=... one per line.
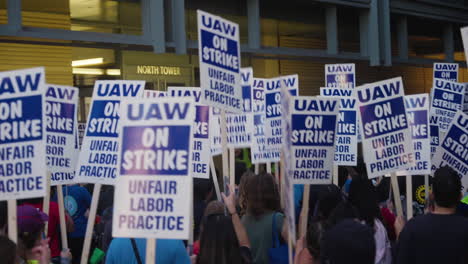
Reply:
x=446, y=187
x=344, y=210
x=7, y=250
x=3, y=214
x=27, y=240
x=314, y=238
x=262, y=195
x=244, y=182
x=363, y=196
x=349, y=242
x=218, y=241
x=202, y=188
x=329, y=197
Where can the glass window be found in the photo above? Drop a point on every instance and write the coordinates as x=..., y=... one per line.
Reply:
x=106, y=16
x=425, y=38
x=235, y=11
x=3, y=13
x=348, y=30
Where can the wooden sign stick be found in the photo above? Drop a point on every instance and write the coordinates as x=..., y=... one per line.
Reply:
x=224, y=144
x=215, y=180
x=304, y=211
x=90, y=225
x=12, y=222
x=150, y=251
x=396, y=194
x=46, y=200
x=63, y=225
x=409, y=197
x=335, y=175
x=232, y=166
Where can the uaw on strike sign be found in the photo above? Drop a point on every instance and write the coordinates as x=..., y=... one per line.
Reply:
x=340, y=75
x=61, y=132
x=154, y=188
x=346, y=134
x=98, y=157
x=22, y=134
x=313, y=134
x=201, y=155
x=385, y=129
x=447, y=99
x=219, y=53
x=453, y=150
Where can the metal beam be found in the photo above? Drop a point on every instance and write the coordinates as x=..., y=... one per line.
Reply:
x=385, y=33
x=253, y=15
x=449, y=48
x=364, y=32
x=402, y=32
x=178, y=26
x=352, y=3
x=61, y=34
x=418, y=9
x=157, y=28
x=374, y=40
x=332, y=30
x=14, y=15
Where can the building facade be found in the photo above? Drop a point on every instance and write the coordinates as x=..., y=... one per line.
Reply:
x=80, y=41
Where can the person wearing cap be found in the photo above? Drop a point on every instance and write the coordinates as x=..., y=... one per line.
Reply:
x=440, y=236
x=32, y=246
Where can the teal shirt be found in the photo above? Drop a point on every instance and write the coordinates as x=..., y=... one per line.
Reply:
x=259, y=232
x=167, y=251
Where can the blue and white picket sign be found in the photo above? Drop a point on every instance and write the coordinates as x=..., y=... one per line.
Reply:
x=153, y=195
x=220, y=62
x=340, y=75
x=60, y=120
x=201, y=153
x=154, y=94
x=447, y=99
x=417, y=111
x=446, y=71
x=387, y=143
x=346, y=134
x=313, y=133
x=273, y=122
x=453, y=150
x=434, y=133
x=215, y=132
x=240, y=126
x=98, y=157
x=287, y=187
x=22, y=134
x=259, y=152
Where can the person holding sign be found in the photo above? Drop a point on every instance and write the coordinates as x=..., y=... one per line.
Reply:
x=263, y=204
x=440, y=236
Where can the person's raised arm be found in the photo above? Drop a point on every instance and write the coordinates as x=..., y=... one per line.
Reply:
x=230, y=202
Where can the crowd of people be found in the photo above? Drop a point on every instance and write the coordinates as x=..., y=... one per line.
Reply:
x=351, y=224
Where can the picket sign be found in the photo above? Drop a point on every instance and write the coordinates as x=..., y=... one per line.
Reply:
x=445, y=71
x=409, y=197
x=304, y=211
x=447, y=99
x=452, y=150
x=215, y=180
x=107, y=96
x=396, y=193
x=63, y=226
